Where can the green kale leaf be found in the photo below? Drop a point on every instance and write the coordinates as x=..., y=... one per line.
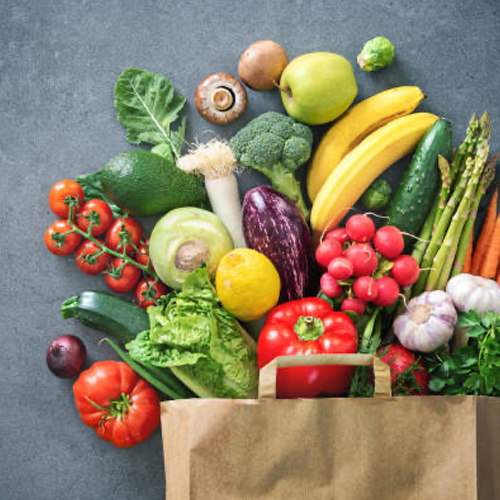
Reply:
x=147, y=106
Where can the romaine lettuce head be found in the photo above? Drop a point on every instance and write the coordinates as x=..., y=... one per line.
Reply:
x=193, y=335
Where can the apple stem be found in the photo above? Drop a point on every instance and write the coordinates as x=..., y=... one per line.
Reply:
x=283, y=89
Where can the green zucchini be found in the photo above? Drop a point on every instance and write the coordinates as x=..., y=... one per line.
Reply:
x=415, y=196
x=107, y=313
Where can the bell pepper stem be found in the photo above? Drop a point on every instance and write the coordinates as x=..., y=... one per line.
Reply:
x=309, y=328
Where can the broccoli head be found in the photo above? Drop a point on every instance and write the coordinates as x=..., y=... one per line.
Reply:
x=275, y=145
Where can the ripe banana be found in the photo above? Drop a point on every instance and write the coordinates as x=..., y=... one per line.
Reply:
x=363, y=165
x=360, y=121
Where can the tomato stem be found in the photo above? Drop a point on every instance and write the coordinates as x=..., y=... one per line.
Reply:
x=117, y=408
x=104, y=248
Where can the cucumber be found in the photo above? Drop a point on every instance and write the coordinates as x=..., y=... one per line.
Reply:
x=107, y=313
x=415, y=196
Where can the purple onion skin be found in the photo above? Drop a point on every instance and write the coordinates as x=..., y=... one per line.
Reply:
x=274, y=226
x=66, y=356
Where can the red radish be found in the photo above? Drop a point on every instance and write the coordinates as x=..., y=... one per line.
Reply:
x=365, y=288
x=405, y=270
x=340, y=268
x=389, y=241
x=330, y=286
x=360, y=228
x=339, y=234
x=363, y=258
x=353, y=304
x=408, y=374
x=388, y=292
x=327, y=251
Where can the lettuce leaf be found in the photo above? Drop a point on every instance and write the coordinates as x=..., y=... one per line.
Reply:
x=141, y=348
x=191, y=333
x=147, y=106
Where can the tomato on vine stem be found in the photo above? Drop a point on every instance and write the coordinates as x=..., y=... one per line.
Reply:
x=62, y=194
x=60, y=238
x=148, y=291
x=91, y=259
x=97, y=213
x=122, y=277
x=124, y=232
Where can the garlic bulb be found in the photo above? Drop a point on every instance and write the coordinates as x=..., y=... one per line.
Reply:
x=428, y=323
x=474, y=292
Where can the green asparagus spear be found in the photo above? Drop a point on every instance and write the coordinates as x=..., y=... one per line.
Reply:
x=451, y=207
x=439, y=231
x=466, y=149
x=444, y=194
x=445, y=256
x=467, y=234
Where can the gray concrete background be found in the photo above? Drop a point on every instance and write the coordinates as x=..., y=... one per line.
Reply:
x=58, y=64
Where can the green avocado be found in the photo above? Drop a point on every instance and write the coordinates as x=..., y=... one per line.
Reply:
x=143, y=183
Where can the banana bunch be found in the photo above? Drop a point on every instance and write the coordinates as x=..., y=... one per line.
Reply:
x=361, y=145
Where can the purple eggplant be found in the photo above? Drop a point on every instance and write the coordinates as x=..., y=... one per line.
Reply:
x=274, y=226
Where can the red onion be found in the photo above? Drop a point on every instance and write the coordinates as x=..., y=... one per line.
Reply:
x=66, y=356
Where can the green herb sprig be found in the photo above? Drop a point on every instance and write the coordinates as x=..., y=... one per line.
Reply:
x=475, y=368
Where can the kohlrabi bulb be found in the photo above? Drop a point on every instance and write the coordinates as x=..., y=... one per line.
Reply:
x=376, y=54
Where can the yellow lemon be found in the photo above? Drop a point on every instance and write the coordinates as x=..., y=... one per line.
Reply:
x=247, y=283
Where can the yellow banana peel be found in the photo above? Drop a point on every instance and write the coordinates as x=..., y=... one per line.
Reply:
x=359, y=122
x=358, y=169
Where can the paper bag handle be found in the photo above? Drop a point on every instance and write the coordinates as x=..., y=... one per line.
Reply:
x=382, y=373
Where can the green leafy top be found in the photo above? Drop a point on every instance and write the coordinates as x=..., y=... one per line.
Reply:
x=93, y=189
x=147, y=106
x=472, y=369
x=191, y=332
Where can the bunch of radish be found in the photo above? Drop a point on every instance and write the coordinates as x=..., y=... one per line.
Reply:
x=364, y=264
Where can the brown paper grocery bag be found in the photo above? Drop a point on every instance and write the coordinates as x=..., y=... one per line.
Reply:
x=403, y=448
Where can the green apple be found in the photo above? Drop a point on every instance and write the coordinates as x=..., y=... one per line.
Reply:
x=318, y=87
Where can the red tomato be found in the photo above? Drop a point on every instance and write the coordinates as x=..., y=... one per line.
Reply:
x=408, y=374
x=308, y=326
x=128, y=276
x=100, y=212
x=60, y=243
x=124, y=227
x=89, y=259
x=142, y=254
x=147, y=292
x=122, y=407
x=62, y=192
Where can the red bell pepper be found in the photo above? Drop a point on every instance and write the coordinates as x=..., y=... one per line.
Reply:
x=308, y=326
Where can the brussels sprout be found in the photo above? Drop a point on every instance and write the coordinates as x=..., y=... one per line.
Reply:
x=376, y=54
x=377, y=195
